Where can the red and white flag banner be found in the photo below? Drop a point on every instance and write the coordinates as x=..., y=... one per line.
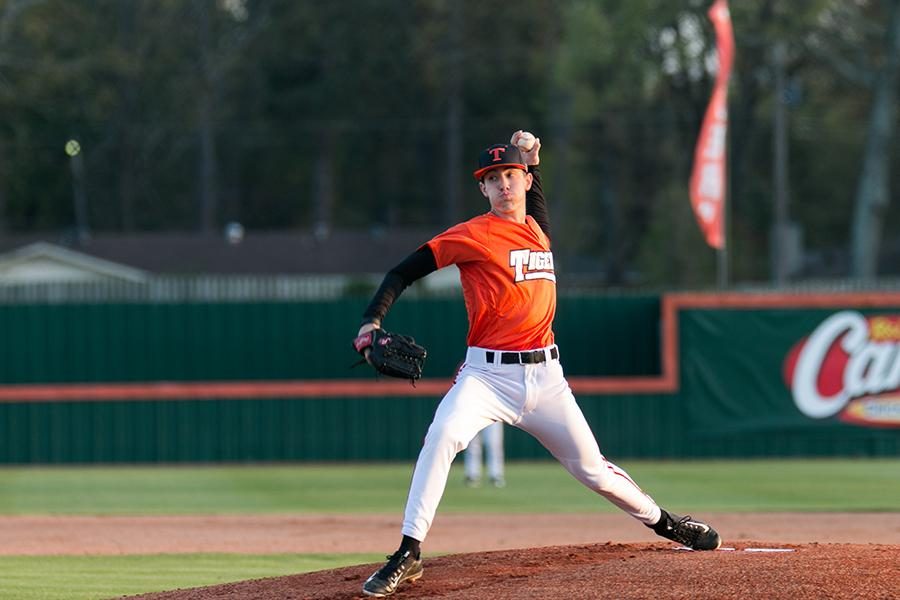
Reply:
x=707, y=187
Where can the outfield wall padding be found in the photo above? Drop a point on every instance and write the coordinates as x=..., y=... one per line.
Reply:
x=727, y=398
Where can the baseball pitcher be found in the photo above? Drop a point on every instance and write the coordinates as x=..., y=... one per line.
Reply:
x=512, y=371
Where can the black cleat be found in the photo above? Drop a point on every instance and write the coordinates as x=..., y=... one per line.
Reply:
x=400, y=567
x=694, y=534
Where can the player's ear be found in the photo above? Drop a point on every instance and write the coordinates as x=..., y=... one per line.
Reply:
x=529, y=179
x=483, y=189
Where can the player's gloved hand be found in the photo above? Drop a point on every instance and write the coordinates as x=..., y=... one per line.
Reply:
x=391, y=354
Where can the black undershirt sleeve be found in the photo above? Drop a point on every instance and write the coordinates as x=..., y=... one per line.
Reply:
x=414, y=267
x=536, y=204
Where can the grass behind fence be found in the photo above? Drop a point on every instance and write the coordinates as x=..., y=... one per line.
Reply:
x=775, y=485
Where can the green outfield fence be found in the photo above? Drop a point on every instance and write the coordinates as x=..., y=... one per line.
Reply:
x=187, y=332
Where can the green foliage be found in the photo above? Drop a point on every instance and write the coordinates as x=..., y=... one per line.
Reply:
x=340, y=113
x=674, y=248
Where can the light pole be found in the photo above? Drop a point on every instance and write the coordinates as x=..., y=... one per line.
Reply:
x=79, y=199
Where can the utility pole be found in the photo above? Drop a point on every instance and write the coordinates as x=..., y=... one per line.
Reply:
x=782, y=258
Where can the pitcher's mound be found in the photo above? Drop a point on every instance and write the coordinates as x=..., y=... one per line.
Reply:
x=617, y=571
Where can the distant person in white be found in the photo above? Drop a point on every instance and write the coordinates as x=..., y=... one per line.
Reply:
x=490, y=443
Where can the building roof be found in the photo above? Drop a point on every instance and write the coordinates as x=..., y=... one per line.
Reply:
x=42, y=261
x=257, y=253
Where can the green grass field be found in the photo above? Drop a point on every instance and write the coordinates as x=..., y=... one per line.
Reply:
x=776, y=485
x=83, y=577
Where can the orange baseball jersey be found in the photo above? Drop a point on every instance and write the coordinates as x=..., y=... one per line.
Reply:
x=508, y=281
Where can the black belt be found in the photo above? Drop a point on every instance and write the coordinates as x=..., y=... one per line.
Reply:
x=522, y=358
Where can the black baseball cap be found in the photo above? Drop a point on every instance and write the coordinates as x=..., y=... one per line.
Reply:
x=499, y=155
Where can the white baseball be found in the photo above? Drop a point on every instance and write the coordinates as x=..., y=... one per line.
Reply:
x=525, y=141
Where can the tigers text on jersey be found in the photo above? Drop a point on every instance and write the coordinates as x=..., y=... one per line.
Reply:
x=508, y=280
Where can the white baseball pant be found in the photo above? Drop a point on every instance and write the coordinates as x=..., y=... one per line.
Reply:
x=533, y=397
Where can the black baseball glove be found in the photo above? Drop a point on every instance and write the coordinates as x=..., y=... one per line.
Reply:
x=392, y=354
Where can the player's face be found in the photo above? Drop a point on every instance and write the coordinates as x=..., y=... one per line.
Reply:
x=505, y=188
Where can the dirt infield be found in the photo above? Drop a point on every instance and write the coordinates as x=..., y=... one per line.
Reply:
x=826, y=555
x=340, y=533
x=615, y=571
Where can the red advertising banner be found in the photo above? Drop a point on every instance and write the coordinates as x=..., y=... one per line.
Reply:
x=707, y=186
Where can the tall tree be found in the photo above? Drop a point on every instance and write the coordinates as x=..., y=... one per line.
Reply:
x=861, y=41
x=873, y=191
x=8, y=19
